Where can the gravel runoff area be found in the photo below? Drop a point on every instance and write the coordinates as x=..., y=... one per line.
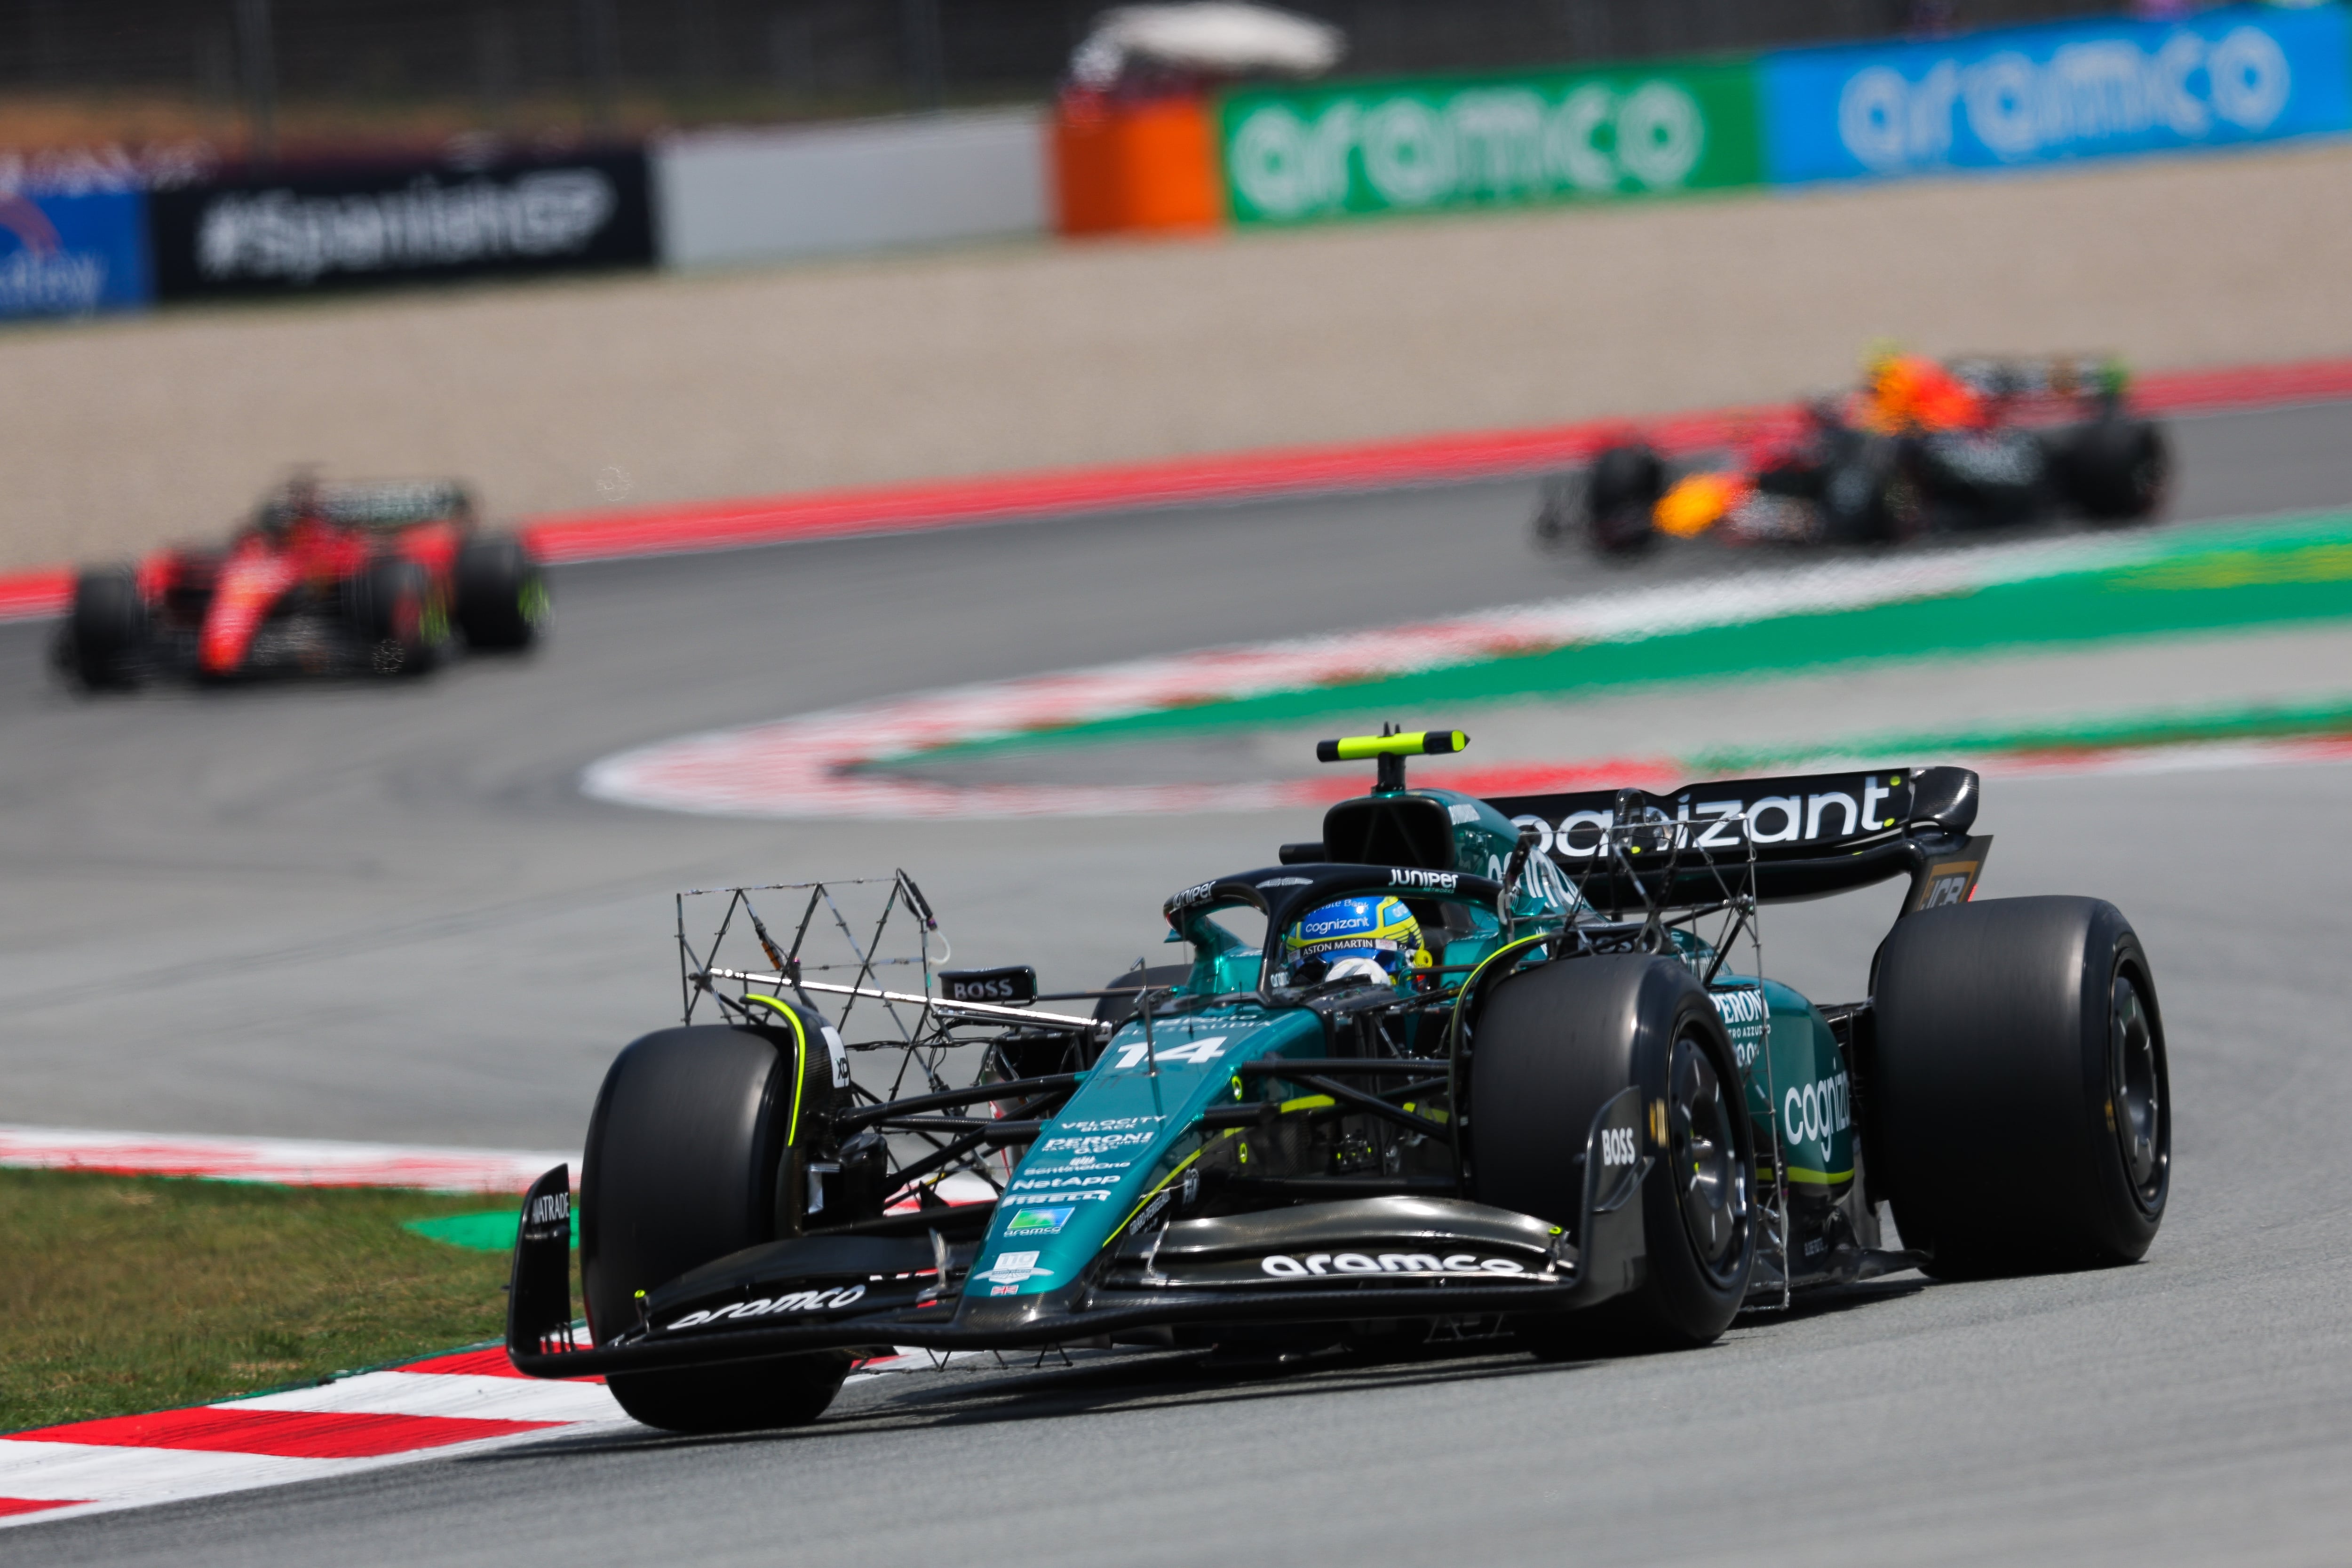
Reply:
x=650, y=389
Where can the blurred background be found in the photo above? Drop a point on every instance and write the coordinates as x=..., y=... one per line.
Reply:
x=908, y=407
x=181, y=84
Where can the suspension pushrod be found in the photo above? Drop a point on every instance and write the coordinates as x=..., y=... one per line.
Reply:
x=1011, y=1088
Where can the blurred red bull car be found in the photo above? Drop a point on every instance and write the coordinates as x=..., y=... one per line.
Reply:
x=1920, y=449
x=382, y=578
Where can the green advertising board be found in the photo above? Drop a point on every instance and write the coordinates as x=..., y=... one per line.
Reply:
x=1303, y=154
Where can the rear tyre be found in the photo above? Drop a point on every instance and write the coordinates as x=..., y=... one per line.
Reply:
x=1116, y=1010
x=2116, y=469
x=501, y=598
x=690, y=1157
x=1621, y=499
x=105, y=633
x=398, y=617
x=2020, y=1094
x=1555, y=1046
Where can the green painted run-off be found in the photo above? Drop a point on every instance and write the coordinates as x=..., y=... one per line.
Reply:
x=2215, y=580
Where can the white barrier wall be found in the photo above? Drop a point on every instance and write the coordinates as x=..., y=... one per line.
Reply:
x=754, y=195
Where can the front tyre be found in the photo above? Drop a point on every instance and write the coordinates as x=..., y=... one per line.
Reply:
x=397, y=617
x=1622, y=490
x=2021, y=1093
x=692, y=1153
x=1553, y=1047
x=103, y=641
x=501, y=595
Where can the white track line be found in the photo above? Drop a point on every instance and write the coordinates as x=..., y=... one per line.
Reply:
x=288, y=1162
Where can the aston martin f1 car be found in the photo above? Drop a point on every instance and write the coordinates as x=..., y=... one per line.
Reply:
x=327, y=579
x=1570, y=1118
x=1920, y=449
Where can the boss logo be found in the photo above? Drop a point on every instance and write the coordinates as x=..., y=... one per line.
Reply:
x=1618, y=1146
x=1012, y=985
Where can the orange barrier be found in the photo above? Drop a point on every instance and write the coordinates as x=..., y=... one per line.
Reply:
x=1127, y=164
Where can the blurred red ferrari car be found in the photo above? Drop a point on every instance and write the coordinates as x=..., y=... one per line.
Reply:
x=379, y=578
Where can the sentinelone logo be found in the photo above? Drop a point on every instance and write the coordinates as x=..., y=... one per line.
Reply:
x=282, y=235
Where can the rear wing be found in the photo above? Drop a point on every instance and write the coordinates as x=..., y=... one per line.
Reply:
x=1773, y=840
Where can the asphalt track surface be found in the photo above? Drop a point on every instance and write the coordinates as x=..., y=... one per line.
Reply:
x=362, y=912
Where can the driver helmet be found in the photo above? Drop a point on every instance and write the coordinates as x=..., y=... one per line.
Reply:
x=1370, y=938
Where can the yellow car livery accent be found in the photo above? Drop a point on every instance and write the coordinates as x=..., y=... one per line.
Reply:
x=800, y=1061
x=1417, y=743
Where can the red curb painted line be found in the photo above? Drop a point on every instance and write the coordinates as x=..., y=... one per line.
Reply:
x=491, y=1362
x=14, y=1505
x=1295, y=470
x=616, y=534
x=30, y=595
x=280, y=1434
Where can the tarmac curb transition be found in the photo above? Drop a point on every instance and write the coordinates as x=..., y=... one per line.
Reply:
x=462, y=1402
x=618, y=534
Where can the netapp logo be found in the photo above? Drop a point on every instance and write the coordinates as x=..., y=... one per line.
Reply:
x=281, y=234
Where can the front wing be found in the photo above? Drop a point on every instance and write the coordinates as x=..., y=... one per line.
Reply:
x=1346, y=1260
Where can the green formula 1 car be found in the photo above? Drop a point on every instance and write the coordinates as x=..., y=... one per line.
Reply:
x=1493, y=1066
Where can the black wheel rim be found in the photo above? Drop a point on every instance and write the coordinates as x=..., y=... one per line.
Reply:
x=1702, y=1161
x=2136, y=1082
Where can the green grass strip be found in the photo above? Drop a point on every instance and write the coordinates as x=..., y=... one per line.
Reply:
x=124, y=1294
x=2215, y=581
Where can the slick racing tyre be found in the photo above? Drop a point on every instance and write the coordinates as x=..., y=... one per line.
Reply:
x=501, y=598
x=1863, y=500
x=2116, y=469
x=1620, y=497
x=690, y=1157
x=104, y=638
x=2021, y=1104
x=397, y=617
x=1551, y=1048
x=1116, y=1010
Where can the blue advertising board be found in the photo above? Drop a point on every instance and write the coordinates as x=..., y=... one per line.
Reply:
x=69, y=255
x=2047, y=94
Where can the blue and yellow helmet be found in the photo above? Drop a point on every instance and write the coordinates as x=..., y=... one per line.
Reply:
x=1368, y=937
